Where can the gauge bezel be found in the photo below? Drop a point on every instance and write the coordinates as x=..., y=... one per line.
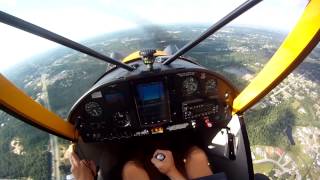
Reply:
x=210, y=90
x=96, y=106
x=195, y=83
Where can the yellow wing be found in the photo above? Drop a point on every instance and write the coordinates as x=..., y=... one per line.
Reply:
x=298, y=44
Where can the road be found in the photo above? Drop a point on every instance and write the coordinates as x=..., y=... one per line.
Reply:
x=53, y=141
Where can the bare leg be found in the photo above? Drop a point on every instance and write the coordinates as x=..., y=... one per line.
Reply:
x=133, y=171
x=197, y=163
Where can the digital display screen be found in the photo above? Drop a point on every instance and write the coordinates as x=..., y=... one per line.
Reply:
x=114, y=98
x=150, y=92
x=152, y=103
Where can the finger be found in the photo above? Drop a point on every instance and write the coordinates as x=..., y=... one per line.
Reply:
x=84, y=163
x=155, y=162
x=70, y=157
x=71, y=169
x=70, y=160
x=74, y=160
x=93, y=167
x=69, y=150
x=75, y=156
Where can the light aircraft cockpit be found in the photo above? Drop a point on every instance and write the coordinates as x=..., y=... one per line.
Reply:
x=162, y=98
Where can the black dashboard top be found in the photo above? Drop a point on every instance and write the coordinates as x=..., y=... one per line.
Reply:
x=124, y=104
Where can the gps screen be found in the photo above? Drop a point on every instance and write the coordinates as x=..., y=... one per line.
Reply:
x=150, y=92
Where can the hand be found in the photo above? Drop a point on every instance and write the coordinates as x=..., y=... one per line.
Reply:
x=167, y=165
x=82, y=169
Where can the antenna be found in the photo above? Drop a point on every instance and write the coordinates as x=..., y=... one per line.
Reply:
x=39, y=31
x=214, y=28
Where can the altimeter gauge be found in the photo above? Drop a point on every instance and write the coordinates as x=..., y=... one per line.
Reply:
x=189, y=85
x=93, y=109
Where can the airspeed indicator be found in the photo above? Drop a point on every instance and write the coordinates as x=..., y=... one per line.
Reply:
x=211, y=85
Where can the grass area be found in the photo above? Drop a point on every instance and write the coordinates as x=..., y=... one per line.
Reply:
x=264, y=168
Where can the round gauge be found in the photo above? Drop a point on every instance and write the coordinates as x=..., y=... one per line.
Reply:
x=211, y=85
x=93, y=109
x=189, y=85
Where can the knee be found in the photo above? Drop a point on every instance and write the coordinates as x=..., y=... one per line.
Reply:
x=197, y=163
x=130, y=166
x=132, y=170
x=195, y=153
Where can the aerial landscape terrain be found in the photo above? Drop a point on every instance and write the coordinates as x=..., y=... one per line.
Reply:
x=283, y=128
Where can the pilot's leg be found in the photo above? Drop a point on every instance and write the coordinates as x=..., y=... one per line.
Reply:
x=133, y=171
x=197, y=164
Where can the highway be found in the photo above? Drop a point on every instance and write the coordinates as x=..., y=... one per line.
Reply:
x=53, y=141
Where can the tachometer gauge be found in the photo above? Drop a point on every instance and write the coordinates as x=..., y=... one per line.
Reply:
x=189, y=85
x=211, y=85
x=93, y=109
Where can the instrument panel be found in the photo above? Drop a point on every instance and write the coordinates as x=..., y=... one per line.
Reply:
x=156, y=104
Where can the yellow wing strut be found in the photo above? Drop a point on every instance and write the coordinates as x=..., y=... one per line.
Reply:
x=16, y=102
x=298, y=44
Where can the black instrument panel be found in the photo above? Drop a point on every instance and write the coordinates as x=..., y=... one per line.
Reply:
x=154, y=105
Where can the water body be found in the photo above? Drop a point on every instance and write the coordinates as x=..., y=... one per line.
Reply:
x=289, y=135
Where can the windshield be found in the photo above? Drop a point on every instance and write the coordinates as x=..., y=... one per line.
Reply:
x=56, y=76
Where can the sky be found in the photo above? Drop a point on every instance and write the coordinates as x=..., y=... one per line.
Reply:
x=82, y=19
